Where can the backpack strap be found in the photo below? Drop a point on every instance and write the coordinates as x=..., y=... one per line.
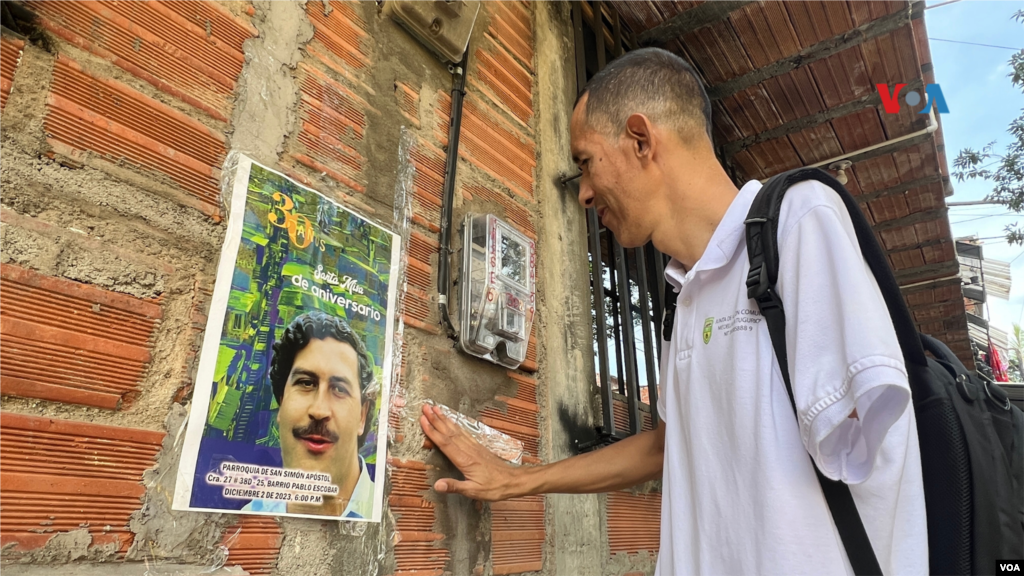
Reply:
x=670, y=312
x=764, y=254
x=762, y=248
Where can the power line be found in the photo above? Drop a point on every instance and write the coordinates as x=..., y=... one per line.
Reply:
x=941, y=4
x=984, y=217
x=974, y=44
x=969, y=210
x=973, y=203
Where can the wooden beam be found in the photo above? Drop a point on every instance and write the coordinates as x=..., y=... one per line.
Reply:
x=581, y=59
x=685, y=22
x=914, y=218
x=588, y=17
x=927, y=272
x=937, y=283
x=616, y=34
x=872, y=100
x=920, y=245
x=878, y=27
x=899, y=188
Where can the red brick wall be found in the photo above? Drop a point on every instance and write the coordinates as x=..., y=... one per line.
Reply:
x=58, y=476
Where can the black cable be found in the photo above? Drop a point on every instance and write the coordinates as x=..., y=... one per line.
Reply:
x=973, y=44
x=444, y=282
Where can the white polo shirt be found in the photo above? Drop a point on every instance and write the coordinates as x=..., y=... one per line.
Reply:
x=739, y=492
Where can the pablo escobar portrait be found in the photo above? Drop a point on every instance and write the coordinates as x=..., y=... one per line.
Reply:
x=322, y=378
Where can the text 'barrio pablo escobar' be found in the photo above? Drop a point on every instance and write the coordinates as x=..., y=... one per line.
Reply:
x=246, y=481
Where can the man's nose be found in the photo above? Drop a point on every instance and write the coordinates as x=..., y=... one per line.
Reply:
x=320, y=408
x=586, y=195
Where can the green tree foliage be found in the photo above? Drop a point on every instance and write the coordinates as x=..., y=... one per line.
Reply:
x=1016, y=353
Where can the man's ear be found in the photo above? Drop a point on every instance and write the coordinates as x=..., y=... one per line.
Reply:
x=641, y=135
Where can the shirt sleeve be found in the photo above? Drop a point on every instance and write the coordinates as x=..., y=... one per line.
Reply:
x=841, y=344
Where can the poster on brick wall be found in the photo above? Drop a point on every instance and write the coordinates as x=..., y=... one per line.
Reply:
x=289, y=411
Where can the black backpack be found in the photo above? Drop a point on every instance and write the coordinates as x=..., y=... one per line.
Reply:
x=971, y=437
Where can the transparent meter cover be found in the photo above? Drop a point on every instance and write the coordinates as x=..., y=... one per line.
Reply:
x=498, y=296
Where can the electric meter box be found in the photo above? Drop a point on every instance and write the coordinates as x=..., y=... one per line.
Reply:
x=498, y=295
x=443, y=26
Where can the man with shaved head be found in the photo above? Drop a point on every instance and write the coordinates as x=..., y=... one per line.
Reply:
x=740, y=494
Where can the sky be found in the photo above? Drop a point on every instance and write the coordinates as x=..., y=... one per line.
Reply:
x=982, y=103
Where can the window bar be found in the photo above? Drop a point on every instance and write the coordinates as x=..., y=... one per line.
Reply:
x=645, y=325
x=656, y=270
x=629, y=343
x=581, y=57
x=616, y=300
x=597, y=285
x=616, y=34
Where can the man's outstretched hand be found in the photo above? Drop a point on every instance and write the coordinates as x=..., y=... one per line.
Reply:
x=488, y=477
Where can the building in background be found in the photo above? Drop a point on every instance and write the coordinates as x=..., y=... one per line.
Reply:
x=983, y=279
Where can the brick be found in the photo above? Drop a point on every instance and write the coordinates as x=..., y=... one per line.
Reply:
x=520, y=419
x=895, y=238
x=515, y=213
x=428, y=184
x=634, y=522
x=59, y=475
x=530, y=364
x=509, y=82
x=422, y=247
x=86, y=112
x=925, y=198
x=932, y=230
x=333, y=124
x=10, y=56
x=939, y=253
x=491, y=144
x=254, y=544
x=342, y=32
x=620, y=413
x=907, y=259
x=888, y=208
x=189, y=50
x=517, y=535
x=419, y=551
x=511, y=25
x=408, y=102
x=70, y=342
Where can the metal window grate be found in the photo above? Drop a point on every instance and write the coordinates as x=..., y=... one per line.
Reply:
x=627, y=286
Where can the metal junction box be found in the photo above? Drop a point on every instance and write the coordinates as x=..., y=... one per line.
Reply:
x=444, y=27
x=498, y=295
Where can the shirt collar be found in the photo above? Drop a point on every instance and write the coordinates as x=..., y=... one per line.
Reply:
x=360, y=504
x=724, y=241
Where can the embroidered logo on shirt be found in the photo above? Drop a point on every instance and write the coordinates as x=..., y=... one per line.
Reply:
x=709, y=324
